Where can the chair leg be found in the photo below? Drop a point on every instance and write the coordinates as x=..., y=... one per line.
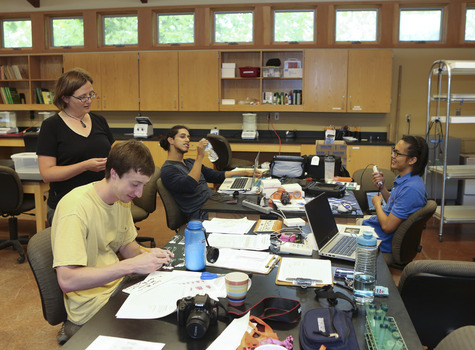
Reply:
x=13, y=241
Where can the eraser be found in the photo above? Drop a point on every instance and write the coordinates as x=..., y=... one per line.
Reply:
x=381, y=291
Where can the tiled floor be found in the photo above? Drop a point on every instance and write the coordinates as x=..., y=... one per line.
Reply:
x=22, y=325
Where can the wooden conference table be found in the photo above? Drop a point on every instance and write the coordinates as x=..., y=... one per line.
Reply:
x=166, y=329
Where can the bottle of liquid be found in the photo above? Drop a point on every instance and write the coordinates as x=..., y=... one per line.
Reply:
x=329, y=168
x=365, y=268
x=212, y=155
x=195, y=246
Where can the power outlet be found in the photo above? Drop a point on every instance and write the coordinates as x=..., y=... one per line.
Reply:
x=408, y=118
x=276, y=116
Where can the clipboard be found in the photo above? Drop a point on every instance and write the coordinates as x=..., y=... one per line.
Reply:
x=268, y=226
x=246, y=260
x=301, y=272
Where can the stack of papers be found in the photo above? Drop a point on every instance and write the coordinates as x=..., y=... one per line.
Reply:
x=234, y=226
x=246, y=260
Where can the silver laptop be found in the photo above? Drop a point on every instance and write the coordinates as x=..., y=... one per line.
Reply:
x=332, y=240
x=241, y=184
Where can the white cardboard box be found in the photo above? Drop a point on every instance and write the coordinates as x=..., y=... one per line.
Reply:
x=228, y=65
x=228, y=101
x=293, y=73
x=228, y=72
x=26, y=162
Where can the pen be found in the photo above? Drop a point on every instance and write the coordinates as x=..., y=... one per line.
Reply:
x=269, y=264
x=147, y=250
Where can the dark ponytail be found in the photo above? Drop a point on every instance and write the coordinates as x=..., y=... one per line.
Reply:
x=171, y=133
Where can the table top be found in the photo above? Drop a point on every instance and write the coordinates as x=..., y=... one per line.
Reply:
x=166, y=329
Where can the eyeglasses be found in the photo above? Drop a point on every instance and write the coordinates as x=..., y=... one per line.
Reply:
x=84, y=99
x=394, y=152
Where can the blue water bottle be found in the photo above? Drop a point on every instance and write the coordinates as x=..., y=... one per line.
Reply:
x=365, y=268
x=195, y=246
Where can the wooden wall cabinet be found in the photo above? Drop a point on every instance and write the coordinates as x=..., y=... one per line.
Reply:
x=355, y=81
x=361, y=156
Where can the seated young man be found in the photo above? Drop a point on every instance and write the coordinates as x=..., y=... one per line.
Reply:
x=409, y=158
x=187, y=178
x=91, y=226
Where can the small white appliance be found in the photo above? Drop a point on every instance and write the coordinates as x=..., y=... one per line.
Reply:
x=143, y=128
x=249, y=126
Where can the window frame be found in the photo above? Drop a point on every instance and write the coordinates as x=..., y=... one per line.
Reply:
x=2, y=34
x=332, y=24
x=417, y=43
x=101, y=33
x=213, y=13
x=293, y=9
x=155, y=35
x=468, y=6
x=50, y=33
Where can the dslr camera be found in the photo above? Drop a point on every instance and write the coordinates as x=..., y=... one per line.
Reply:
x=196, y=314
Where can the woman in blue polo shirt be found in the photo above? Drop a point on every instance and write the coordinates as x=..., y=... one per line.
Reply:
x=409, y=158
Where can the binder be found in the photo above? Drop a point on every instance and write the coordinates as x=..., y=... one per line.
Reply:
x=302, y=272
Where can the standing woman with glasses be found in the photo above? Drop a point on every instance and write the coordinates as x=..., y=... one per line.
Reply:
x=73, y=145
x=409, y=159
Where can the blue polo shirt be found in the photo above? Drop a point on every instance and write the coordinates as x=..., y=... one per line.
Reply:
x=407, y=196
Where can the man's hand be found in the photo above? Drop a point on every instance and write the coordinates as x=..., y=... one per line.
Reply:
x=148, y=262
x=378, y=177
x=377, y=200
x=200, y=148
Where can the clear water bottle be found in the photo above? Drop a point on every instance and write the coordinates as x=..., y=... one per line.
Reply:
x=365, y=268
x=212, y=155
x=195, y=246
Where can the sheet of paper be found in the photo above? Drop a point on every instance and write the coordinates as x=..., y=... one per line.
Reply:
x=244, y=260
x=234, y=226
x=103, y=342
x=250, y=242
x=231, y=337
x=313, y=269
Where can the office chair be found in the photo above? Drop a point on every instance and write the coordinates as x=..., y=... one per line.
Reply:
x=226, y=161
x=462, y=338
x=363, y=178
x=439, y=297
x=176, y=220
x=31, y=140
x=13, y=202
x=407, y=238
x=142, y=207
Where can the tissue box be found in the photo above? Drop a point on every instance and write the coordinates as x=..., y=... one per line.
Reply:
x=269, y=186
x=26, y=162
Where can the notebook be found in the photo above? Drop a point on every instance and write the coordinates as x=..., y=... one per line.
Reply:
x=369, y=201
x=241, y=184
x=332, y=240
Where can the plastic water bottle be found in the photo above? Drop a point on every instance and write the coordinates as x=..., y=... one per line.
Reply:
x=365, y=268
x=195, y=246
x=212, y=155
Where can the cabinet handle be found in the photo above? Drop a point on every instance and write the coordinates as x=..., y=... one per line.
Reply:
x=343, y=103
x=174, y=104
x=351, y=104
x=181, y=102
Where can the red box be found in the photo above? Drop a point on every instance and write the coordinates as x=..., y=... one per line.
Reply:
x=247, y=72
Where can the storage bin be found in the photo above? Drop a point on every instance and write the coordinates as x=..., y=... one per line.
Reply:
x=247, y=72
x=26, y=162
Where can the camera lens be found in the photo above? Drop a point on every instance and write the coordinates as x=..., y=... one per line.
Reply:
x=197, y=324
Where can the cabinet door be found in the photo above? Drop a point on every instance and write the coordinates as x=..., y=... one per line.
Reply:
x=198, y=80
x=369, y=81
x=325, y=80
x=359, y=157
x=90, y=62
x=159, y=81
x=120, y=83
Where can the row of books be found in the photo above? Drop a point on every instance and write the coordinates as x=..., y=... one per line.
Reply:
x=44, y=96
x=13, y=72
x=11, y=96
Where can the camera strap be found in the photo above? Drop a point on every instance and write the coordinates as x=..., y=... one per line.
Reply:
x=272, y=309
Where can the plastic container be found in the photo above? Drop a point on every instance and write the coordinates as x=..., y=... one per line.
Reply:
x=329, y=168
x=211, y=153
x=195, y=246
x=26, y=162
x=365, y=268
x=247, y=72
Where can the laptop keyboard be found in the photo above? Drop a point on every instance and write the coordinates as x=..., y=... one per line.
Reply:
x=345, y=246
x=239, y=183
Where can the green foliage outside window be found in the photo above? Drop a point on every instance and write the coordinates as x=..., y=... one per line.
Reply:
x=420, y=25
x=233, y=27
x=470, y=25
x=356, y=25
x=176, y=28
x=121, y=30
x=294, y=26
x=67, y=32
x=16, y=33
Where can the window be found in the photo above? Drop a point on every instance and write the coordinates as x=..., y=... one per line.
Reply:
x=16, y=33
x=420, y=24
x=67, y=31
x=470, y=24
x=233, y=27
x=178, y=28
x=120, y=30
x=297, y=25
x=356, y=25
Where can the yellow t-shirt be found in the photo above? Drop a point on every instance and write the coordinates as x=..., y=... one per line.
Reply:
x=88, y=232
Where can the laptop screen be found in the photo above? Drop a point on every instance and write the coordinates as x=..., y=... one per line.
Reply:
x=321, y=220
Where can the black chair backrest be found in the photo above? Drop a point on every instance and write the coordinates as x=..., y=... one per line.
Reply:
x=11, y=190
x=439, y=297
x=40, y=258
x=148, y=201
x=175, y=217
x=222, y=149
